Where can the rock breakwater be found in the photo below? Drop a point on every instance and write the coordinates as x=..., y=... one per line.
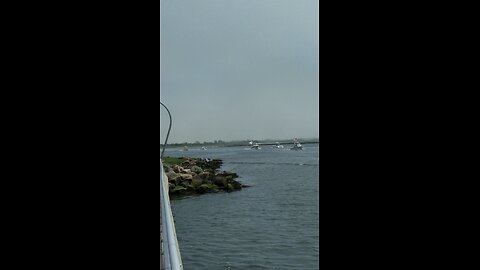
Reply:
x=189, y=176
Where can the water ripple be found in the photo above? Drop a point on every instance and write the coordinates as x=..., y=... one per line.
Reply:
x=271, y=163
x=271, y=225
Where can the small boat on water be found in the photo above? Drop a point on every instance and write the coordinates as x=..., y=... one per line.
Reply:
x=297, y=146
x=278, y=146
x=204, y=148
x=255, y=146
x=185, y=148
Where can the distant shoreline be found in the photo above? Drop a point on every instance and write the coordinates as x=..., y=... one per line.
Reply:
x=234, y=144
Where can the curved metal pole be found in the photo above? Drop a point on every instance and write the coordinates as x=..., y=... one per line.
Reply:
x=169, y=127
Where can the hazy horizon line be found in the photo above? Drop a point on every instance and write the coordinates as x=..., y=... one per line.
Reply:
x=244, y=140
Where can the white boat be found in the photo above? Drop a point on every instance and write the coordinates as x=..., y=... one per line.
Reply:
x=185, y=148
x=278, y=145
x=255, y=146
x=204, y=148
x=296, y=145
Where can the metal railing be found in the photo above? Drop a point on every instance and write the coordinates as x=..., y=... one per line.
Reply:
x=170, y=257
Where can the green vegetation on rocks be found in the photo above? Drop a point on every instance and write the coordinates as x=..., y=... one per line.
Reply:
x=177, y=189
x=172, y=161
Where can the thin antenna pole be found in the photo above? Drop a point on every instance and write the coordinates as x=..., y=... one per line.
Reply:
x=169, y=127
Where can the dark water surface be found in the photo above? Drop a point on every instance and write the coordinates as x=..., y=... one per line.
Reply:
x=274, y=224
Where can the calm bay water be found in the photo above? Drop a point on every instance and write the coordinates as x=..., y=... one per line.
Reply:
x=274, y=224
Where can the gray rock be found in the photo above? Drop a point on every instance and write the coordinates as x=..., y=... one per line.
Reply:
x=197, y=181
x=188, y=163
x=197, y=169
x=172, y=176
x=236, y=185
x=204, y=175
x=182, y=170
x=176, y=168
x=185, y=184
x=220, y=181
x=186, y=176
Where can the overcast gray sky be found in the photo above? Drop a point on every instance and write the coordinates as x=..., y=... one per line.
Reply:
x=239, y=69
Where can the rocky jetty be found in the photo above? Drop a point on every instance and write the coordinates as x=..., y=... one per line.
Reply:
x=189, y=176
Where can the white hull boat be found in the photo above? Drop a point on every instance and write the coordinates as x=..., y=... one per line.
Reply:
x=278, y=146
x=297, y=146
x=255, y=146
